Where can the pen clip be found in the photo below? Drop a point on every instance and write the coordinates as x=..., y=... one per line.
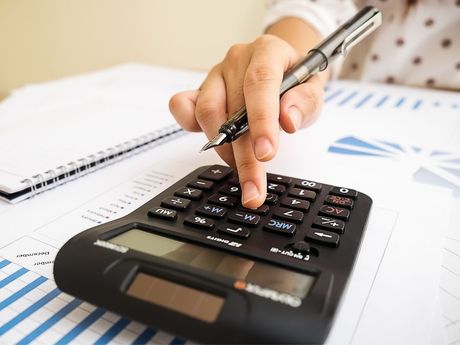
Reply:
x=361, y=32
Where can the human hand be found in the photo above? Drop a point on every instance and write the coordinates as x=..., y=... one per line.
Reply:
x=251, y=74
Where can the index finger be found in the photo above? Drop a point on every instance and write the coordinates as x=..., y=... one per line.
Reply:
x=262, y=83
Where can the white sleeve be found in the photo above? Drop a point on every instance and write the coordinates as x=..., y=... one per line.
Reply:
x=324, y=16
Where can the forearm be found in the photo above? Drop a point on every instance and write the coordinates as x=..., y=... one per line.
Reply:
x=299, y=35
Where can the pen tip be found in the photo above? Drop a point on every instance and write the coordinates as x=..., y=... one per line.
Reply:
x=218, y=140
x=207, y=146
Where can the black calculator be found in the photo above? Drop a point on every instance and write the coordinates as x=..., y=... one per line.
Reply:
x=194, y=262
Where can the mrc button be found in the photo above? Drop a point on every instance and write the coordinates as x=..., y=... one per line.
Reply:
x=280, y=227
x=334, y=211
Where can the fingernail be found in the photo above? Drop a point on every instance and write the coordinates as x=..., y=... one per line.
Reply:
x=263, y=148
x=250, y=191
x=296, y=117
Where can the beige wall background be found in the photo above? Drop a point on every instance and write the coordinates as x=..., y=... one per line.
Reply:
x=42, y=40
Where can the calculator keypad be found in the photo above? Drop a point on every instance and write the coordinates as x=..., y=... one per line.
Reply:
x=296, y=204
x=234, y=230
x=331, y=224
x=189, y=193
x=201, y=184
x=334, y=211
x=302, y=194
x=287, y=214
x=175, y=202
x=303, y=213
x=323, y=237
x=280, y=226
x=200, y=222
x=211, y=211
x=162, y=212
x=244, y=218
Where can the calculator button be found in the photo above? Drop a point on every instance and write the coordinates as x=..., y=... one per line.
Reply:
x=285, y=213
x=201, y=184
x=216, y=173
x=271, y=199
x=211, y=211
x=223, y=200
x=234, y=230
x=244, y=218
x=332, y=224
x=301, y=247
x=261, y=210
x=351, y=193
x=175, y=202
x=297, y=204
x=302, y=194
x=234, y=181
x=280, y=227
x=278, y=179
x=189, y=193
x=334, y=211
x=315, y=186
x=275, y=188
x=323, y=237
x=200, y=222
x=230, y=190
x=339, y=201
x=161, y=212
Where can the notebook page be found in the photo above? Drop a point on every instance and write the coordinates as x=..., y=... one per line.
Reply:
x=47, y=126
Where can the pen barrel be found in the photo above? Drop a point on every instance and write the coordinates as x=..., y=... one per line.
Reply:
x=314, y=62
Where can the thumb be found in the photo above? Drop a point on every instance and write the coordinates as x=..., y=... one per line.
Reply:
x=301, y=106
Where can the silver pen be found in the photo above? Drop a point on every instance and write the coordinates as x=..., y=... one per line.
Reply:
x=317, y=60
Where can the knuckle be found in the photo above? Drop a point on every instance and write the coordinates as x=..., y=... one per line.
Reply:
x=245, y=166
x=234, y=53
x=265, y=40
x=261, y=119
x=259, y=75
x=205, y=111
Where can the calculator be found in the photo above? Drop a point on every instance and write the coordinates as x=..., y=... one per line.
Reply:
x=194, y=262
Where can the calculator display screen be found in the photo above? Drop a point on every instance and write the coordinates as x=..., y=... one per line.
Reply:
x=212, y=260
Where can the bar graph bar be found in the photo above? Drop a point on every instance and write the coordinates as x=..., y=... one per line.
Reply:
x=34, y=311
x=338, y=94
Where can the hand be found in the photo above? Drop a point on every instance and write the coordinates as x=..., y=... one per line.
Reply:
x=251, y=74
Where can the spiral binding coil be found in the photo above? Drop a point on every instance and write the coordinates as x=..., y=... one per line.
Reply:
x=82, y=166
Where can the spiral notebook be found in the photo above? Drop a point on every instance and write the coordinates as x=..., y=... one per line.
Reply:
x=55, y=132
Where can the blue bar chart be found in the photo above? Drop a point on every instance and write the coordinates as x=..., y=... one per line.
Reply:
x=34, y=311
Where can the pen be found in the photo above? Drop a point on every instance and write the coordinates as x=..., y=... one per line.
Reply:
x=335, y=45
